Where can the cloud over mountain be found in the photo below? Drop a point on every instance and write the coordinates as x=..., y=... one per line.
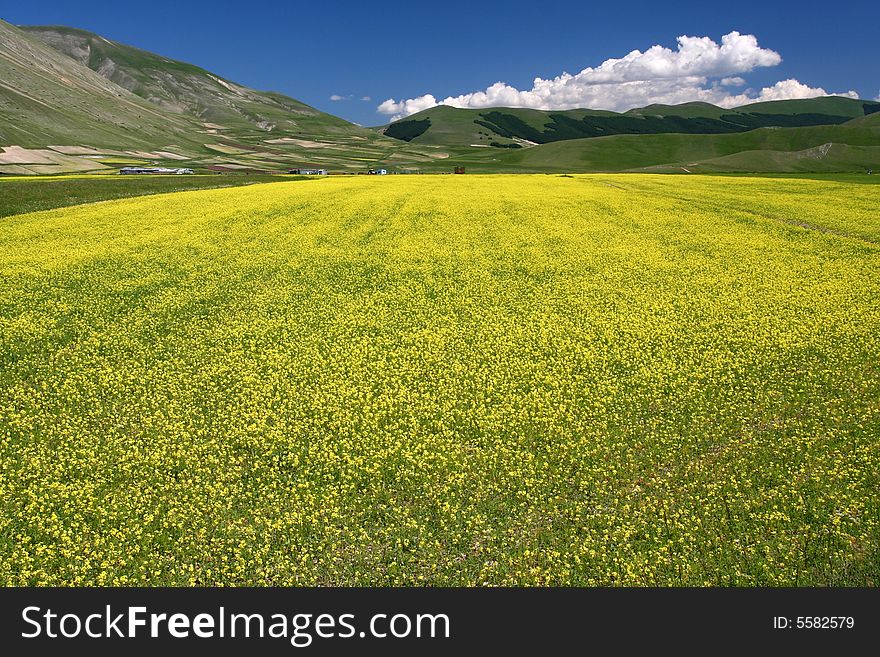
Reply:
x=699, y=69
x=786, y=90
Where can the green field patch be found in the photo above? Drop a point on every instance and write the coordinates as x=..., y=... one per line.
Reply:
x=30, y=194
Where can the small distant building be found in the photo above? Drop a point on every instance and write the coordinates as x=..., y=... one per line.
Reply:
x=309, y=172
x=378, y=172
x=165, y=170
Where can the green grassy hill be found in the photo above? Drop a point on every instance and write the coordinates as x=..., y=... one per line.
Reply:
x=685, y=110
x=517, y=127
x=869, y=120
x=451, y=126
x=829, y=105
x=828, y=157
x=852, y=146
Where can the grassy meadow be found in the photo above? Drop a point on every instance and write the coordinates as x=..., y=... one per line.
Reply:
x=21, y=194
x=445, y=380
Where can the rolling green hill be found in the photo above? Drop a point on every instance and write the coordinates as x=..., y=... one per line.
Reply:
x=516, y=127
x=828, y=105
x=828, y=157
x=852, y=146
x=685, y=110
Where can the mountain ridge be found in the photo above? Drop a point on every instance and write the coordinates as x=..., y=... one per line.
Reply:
x=510, y=126
x=185, y=88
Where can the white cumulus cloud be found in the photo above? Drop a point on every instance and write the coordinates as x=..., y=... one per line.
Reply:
x=699, y=69
x=336, y=98
x=407, y=107
x=366, y=98
x=786, y=90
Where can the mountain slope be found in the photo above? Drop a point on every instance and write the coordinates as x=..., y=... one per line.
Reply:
x=187, y=89
x=852, y=146
x=833, y=105
x=825, y=158
x=46, y=98
x=512, y=127
x=59, y=115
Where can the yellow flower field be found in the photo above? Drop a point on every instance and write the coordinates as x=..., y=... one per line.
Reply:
x=445, y=380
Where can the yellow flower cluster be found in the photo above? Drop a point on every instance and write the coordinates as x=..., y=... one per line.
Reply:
x=445, y=380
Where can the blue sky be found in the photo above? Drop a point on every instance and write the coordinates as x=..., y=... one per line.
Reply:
x=313, y=50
